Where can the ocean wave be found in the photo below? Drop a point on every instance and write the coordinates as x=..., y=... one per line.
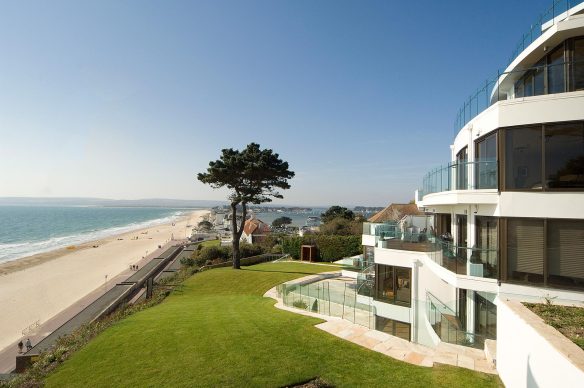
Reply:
x=15, y=251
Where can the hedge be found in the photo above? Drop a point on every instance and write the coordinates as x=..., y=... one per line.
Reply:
x=330, y=247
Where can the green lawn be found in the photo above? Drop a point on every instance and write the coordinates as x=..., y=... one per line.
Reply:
x=220, y=332
x=210, y=243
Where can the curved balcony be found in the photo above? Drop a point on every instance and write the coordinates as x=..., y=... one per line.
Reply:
x=461, y=260
x=492, y=90
x=476, y=175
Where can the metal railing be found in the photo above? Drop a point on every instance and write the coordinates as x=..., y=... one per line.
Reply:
x=558, y=9
x=476, y=175
x=489, y=92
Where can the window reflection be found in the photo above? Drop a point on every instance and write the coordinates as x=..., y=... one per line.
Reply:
x=523, y=158
x=393, y=284
x=564, y=155
x=578, y=72
x=556, y=71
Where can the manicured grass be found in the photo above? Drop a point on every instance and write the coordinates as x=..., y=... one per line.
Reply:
x=210, y=243
x=568, y=320
x=220, y=332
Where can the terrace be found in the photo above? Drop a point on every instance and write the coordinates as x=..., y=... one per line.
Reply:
x=462, y=260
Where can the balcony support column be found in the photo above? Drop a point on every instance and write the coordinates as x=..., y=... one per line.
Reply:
x=470, y=312
x=470, y=235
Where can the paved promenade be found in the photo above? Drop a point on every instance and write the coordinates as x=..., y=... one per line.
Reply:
x=391, y=346
x=8, y=354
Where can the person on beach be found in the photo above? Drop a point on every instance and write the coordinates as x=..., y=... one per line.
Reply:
x=20, y=346
x=28, y=344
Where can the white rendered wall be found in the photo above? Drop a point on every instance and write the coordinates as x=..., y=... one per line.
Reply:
x=369, y=240
x=526, y=359
x=522, y=111
x=541, y=205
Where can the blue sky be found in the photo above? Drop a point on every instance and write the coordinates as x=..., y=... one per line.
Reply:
x=130, y=99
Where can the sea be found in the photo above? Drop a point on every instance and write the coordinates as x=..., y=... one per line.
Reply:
x=298, y=218
x=28, y=230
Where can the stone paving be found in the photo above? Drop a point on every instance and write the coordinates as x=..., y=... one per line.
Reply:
x=394, y=347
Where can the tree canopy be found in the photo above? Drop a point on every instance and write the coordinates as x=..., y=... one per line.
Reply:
x=336, y=212
x=205, y=225
x=281, y=221
x=252, y=175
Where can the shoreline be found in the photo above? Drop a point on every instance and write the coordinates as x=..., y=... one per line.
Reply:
x=36, y=288
x=16, y=264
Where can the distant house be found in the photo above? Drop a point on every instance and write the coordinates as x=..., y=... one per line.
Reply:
x=255, y=230
x=395, y=212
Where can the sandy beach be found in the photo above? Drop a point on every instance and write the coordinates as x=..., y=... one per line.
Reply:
x=36, y=288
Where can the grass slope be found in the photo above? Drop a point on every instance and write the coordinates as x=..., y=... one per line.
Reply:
x=220, y=331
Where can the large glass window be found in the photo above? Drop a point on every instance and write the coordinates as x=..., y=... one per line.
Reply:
x=523, y=158
x=368, y=255
x=539, y=78
x=556, y=83
x=461, y=169
x=560, y=167
x=565, y=253
x=578, y=66
x=485, y=315
x=393, y=284
x=551, y=73
x=548, y=252
x=486, y=162
x=403, y=294
x=486, y=253
x=564, y=155
x=393, y=327
x=525, y=242
x=384, y=283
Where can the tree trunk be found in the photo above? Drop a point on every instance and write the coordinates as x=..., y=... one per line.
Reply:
x=237, y=232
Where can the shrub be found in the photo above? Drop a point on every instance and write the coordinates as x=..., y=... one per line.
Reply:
x=187, y=261
x=300, y=304
x=248, y=250
x=330, y=247
x=217, y=254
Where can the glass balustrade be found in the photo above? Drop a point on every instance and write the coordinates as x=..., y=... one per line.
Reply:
x=475, y=175
x=489, y=91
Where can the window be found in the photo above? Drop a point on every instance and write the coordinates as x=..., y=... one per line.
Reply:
x=539, y=78
x=548, y=252
x=385, y=284
x=485, y=315
x=565, y=253
x=393, y=327
x=486, y=162
x=555, y=71
x=461, y=169
x=393, y=284
x=523, y=158
x=564, y=155
x=556, y=163
x=368, y=254
x=487, y=238
x=550, y=75
x=525, y=242
x=578, y=66
x=403, y=293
